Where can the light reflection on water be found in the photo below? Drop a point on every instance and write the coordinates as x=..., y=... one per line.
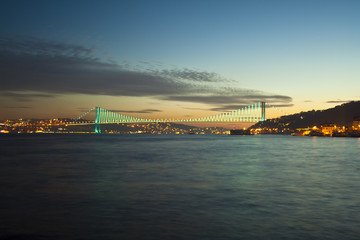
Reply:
x=179, y=187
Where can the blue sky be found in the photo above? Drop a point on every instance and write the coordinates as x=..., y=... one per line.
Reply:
x=180, y=58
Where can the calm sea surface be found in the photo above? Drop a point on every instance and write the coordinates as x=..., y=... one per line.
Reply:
x=178, y=187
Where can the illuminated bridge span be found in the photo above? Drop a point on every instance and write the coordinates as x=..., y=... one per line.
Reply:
x=252, y=113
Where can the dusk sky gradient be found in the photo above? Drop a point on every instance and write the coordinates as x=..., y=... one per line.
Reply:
x=159, y=59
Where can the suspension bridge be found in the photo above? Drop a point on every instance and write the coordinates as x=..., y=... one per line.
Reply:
x=252, y=113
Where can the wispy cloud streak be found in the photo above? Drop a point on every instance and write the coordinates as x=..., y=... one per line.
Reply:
x=139, y=111
x=338, y=101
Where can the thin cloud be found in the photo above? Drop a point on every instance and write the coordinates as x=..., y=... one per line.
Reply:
x=198, y=109
x=11, y=107
x=339, y=101
x=284, y=105
x=227, y=108
x=190, y=75
x=239, y=98
x=139, y=111
x=24, y=96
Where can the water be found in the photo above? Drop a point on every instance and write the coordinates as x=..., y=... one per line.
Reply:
x=179, y=187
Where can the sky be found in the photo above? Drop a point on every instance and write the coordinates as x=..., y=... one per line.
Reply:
x=176, y=59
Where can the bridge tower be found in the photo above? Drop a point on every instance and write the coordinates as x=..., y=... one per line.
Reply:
x=97, y=120
x=263, y=111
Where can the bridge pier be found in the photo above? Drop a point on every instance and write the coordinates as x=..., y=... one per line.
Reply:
x=97, y=128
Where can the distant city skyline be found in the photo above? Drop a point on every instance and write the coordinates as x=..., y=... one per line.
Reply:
x=172, y=59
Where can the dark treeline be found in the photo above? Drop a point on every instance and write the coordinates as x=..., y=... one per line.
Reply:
x=342, y=115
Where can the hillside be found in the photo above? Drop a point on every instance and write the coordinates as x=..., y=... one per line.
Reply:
x=341, y=115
